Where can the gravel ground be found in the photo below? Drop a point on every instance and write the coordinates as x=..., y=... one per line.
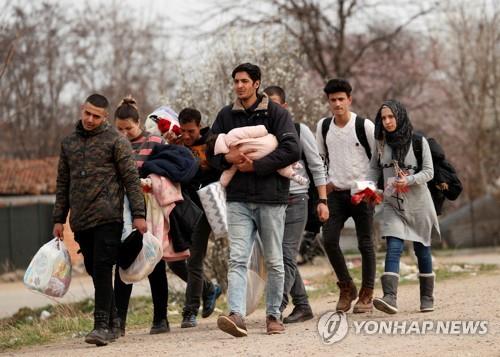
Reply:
x=463, y=298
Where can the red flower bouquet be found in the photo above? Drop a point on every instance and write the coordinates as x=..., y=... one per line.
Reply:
x=365, y=191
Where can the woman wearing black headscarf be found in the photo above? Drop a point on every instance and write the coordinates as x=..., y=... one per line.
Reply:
x=408, y=210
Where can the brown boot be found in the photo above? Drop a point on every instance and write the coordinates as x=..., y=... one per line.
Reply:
x=348, y=293
x=274, y=326
x=233, y=324
x=365, y=301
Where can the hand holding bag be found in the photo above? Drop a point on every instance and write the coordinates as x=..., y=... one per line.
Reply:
x=146, y=260
x=50, y=269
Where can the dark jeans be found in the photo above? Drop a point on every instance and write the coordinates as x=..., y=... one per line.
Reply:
x=295, y=222
x=395, y=248
x=159, y=289
x=197, y=286
x=340, y=207
x=99, y=247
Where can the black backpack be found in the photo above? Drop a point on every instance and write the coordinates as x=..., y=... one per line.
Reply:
x=313, y=223
x=444, y=172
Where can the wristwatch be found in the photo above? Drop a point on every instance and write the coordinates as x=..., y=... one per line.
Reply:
x=323, y=200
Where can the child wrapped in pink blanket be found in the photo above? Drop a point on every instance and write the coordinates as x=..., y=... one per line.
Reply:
x=255, y=142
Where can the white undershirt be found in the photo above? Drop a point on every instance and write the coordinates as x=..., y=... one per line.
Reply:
x=348, y=159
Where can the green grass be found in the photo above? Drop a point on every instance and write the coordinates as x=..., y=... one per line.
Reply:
x=487, y=267
x=442, y=274
x=25, y=328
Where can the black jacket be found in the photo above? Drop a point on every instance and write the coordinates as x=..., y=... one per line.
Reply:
x=95, y=168
x=264, y=185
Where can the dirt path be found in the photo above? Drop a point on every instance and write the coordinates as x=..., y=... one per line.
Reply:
x=466, y=298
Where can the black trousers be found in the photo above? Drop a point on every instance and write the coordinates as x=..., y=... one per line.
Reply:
x=99, y=246
x=159, y=289
x=197, y=285
x=341, y=208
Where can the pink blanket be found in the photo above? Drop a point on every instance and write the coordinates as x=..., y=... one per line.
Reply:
x=159, y=204
x=255, y=142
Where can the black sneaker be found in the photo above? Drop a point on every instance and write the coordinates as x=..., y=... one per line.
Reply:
x=210, y=301
x=188, y=320
x=115, y=330
x=299, y=314
x=98, y=337
x=160, y=327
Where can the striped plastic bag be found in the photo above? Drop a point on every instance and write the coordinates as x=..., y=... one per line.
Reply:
x=213, y=200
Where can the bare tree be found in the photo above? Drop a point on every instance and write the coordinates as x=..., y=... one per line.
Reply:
x=51, y=56
x=334, y=36
x=371, y=43
x=471, y=71
x=207, y=84
x=122, y=55
x=33, y=78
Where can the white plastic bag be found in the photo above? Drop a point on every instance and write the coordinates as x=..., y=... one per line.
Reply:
x=163, y=119
x=359, y=186
x=127, y=219
x=50, y=269
x=256, y=276
x=150, y=254
x=213, y=200
x=390, y=189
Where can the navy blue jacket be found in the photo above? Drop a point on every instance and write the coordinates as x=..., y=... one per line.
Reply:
x=175, y=162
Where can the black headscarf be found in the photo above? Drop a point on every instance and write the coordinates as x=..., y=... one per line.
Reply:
x=400, y=139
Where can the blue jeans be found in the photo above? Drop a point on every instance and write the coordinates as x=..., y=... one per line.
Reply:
x=393, y=256
x=244, y=220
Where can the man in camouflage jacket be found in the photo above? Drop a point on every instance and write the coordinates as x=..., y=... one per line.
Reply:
x=95, y=167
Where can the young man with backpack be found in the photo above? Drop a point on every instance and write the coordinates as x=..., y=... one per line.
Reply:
x=346, y=141
x=297, y=212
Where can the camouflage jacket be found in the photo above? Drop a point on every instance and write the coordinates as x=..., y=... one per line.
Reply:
x=95, y=167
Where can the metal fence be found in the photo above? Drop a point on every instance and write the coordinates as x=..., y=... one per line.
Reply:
x=23, y=230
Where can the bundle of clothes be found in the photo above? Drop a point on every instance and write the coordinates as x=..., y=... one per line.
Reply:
x=171, y=215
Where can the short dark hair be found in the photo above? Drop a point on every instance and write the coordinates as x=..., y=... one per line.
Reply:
x=337, y=85
x=276, y=90
x=127, y=109
x=189, y=115
x=252, y=70
x=98, y=100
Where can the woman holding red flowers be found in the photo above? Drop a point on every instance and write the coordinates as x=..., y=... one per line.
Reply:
x=408, y=210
